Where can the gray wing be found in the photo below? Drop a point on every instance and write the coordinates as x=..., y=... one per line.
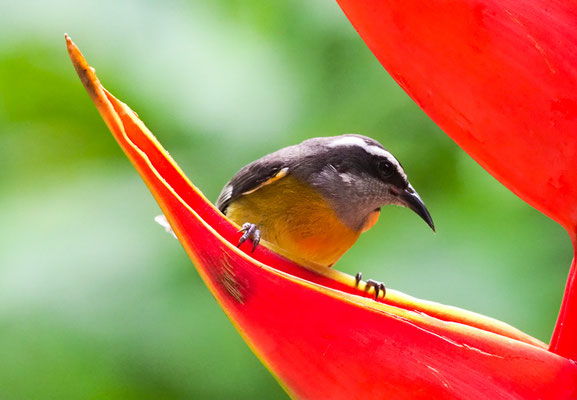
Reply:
x=298, y=159
x=249, y=179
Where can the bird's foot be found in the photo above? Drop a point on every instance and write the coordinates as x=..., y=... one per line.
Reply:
x=250, y=232
x=378, y=286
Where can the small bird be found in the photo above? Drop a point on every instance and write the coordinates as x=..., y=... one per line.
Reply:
x=312, y=201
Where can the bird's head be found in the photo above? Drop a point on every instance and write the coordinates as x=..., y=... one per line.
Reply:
x=358, y=176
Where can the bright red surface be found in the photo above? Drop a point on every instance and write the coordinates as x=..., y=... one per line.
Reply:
x=500, y=78
x=324, y=343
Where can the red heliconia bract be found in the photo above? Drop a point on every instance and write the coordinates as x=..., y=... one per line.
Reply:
x=319, y=334
x=500, y=78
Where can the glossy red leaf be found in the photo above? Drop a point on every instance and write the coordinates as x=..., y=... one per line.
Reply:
x=314, y=330
x=500, y=78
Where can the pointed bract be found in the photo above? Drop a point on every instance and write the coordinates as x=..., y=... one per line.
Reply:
x=318, y=334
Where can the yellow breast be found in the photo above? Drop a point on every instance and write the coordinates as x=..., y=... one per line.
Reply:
x=296, y=220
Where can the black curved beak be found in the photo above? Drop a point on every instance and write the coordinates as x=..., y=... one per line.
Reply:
x=412, y=200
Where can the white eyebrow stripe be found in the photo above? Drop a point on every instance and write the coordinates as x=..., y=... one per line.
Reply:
x=348, y=141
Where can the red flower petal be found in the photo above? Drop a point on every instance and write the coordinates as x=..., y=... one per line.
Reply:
x=499, y=77
x=313, y=329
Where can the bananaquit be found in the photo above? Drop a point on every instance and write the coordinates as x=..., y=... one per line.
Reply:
x=311, y=201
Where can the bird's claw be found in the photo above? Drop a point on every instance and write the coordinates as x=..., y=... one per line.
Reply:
x=250, y=232
x=358, y=278
x=378, y=286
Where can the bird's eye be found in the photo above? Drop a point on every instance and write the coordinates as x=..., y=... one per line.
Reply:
x=385, y=168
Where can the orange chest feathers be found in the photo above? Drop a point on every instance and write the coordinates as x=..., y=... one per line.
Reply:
x=297, y=221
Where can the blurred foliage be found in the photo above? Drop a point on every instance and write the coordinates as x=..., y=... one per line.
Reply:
x=97, y=302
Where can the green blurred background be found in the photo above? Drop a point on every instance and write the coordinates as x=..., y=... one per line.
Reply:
x=98, y=302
